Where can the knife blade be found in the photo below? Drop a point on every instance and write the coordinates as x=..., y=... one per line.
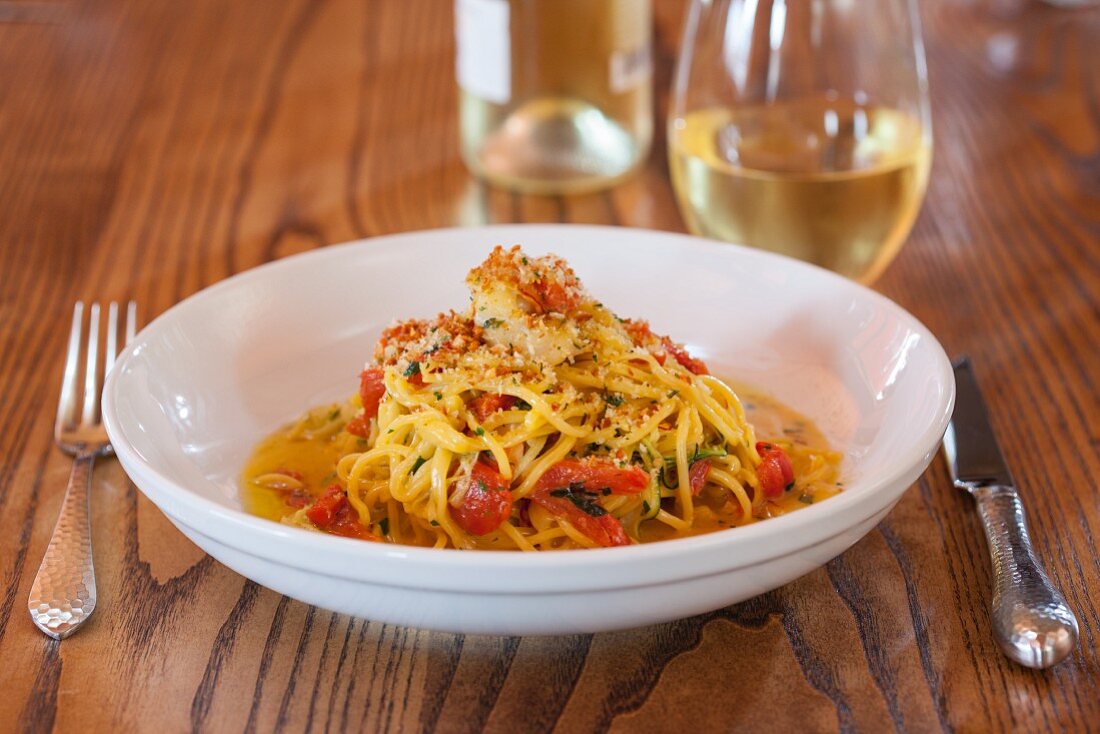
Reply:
x=1031, y=620
x=973, y=456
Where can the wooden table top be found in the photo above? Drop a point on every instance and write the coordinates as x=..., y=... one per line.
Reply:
x=150, y=149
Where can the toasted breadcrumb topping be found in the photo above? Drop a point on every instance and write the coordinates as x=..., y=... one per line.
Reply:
x=527, y=315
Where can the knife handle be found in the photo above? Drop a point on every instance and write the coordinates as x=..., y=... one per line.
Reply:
x=1032, y=622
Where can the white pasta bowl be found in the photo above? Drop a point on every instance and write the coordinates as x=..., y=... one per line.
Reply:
x=203, y=383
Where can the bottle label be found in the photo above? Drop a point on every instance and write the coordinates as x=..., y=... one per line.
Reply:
x=629, y=69
x=484, y=62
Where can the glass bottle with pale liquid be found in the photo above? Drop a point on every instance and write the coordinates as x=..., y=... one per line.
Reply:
x=803, y=127
x=555, y=95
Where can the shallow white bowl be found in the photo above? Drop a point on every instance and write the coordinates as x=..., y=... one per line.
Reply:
x=213, y=375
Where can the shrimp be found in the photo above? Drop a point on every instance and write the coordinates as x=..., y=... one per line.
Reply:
x=530, y=304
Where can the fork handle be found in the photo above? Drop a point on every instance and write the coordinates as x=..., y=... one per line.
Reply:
x=63, y=593
x=1033, y=624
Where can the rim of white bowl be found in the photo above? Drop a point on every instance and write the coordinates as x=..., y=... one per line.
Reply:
x=516, y=570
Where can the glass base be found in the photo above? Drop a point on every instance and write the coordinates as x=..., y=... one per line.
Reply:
x=556, y=145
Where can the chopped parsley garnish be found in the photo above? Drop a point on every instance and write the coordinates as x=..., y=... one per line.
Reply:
x=673, y=393
x=435, y=523
x=491, y=323
x=613, y=399
x=789, y=487
x=438, y=395
x=334, y=414
x=384, y=525
x=522, y=405
x=583, y=500
x=420, y=461
x=524, y=261
x=805, y=498
x=480, y=431
x=412, y=369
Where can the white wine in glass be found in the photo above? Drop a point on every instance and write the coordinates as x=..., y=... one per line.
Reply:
x=812, y=150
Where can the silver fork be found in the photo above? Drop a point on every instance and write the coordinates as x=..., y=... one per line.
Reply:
x=63, y=594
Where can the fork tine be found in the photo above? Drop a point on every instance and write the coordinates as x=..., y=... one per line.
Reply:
x=131, y=321
x=110, y=350
x=66, y=402
x=91, y=378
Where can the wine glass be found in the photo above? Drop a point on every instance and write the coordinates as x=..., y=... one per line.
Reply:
x=803, y=127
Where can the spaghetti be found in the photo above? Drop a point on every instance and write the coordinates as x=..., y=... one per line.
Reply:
x=535, y=420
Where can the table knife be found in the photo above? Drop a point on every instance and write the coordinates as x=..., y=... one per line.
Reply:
x=1031, y=620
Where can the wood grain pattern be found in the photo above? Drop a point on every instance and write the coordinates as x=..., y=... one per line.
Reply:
x=149, y=149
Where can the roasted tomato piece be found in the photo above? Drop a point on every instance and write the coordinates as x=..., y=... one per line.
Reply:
x=486, y=501
x=359, y=426
x=486, y=404
x=595, y=474
x=697, y=476
x=661, y=346
x=347, y=525
x=775, y=471
x=570, y=490
x=372, y=387
x=691, y=364
x=332, y=514
x=584, y=514
x=323, y=512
